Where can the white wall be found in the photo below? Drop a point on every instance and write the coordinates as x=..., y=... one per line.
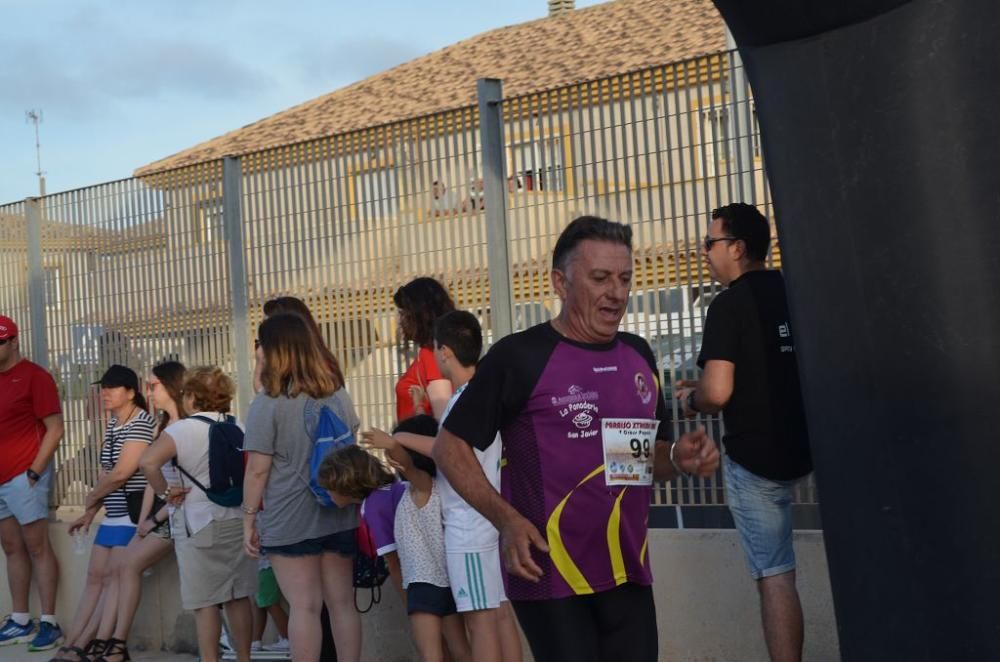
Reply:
x=706, y=603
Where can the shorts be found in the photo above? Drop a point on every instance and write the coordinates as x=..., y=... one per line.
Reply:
x=24, y=502
x=610, y=626
x=342, y=542
x=115, y=532
x=268, y=593
x=762, y=511
x=425, y=598
x=213, y=567
x=476, y=579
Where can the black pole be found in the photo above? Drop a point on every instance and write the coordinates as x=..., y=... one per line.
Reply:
x=881, y=131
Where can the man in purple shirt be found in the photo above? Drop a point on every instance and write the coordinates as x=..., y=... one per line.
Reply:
x=585, y=431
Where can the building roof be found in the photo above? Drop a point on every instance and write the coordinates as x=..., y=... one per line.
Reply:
x=587, y=44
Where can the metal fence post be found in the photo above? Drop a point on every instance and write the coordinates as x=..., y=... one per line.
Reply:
x=232, y=224
x=36, y=283
x=742, y=123
x=490, y=93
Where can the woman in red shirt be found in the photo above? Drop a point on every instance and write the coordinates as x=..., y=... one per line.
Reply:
x=421, y=389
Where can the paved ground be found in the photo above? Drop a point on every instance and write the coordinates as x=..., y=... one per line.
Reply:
x=21, y=654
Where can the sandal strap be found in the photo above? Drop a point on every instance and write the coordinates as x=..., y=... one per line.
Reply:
x=94, y=648
x=114, y=647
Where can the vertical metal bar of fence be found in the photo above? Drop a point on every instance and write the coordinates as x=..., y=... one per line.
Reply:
x=232, y=221
x=742, y=134
x=490, y=94
x=36, y=283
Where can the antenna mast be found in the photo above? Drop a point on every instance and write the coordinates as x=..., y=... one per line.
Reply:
x=35, y=117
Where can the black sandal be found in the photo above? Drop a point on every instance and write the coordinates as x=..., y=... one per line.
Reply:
x=115, y=647
x=68, y=649
x=93, y=650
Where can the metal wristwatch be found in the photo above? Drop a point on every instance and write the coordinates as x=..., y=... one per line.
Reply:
x=690, y=401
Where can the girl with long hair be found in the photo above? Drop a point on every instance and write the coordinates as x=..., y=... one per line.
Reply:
x=311, y=547
x=421, y=389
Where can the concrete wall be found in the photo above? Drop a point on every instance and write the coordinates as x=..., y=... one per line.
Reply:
x=706, y=604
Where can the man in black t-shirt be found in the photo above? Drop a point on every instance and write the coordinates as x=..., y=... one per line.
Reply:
x=750, y=374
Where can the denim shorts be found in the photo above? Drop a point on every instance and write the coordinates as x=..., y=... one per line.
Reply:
x=762, y=511
x=24, y=502
x=422, y=597
x=342, y=542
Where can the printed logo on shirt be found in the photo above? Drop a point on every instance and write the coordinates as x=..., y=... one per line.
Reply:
x=784, y=331
x=580, y=408
x=605, y=368
x=642, y=389
x=576, y=395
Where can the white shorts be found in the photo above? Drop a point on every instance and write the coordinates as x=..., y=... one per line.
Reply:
x=476, y=579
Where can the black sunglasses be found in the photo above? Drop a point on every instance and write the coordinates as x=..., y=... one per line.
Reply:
x=4, y=341
x=708, y=242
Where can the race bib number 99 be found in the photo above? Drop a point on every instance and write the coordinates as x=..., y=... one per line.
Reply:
x=629, y=446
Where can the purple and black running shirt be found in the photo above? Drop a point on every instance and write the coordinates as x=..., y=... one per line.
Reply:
x=546, y=395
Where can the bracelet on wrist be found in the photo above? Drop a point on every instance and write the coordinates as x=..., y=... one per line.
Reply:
x=249, y=511
x=677, y=467
x=33, y=475
x=165, y=494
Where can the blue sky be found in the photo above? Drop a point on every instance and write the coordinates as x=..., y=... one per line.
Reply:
x=125, y=83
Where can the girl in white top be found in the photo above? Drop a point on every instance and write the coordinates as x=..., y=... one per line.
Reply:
x=208, y=538
x=419, y=536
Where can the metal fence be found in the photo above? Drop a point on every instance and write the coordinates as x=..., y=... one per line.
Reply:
x=177, y=264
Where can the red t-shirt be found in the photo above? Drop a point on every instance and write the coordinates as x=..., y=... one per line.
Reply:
x=421, y=372
x=27, y=395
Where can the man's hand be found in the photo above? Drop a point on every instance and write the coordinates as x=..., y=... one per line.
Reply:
x=682, y=389
x=378, y=439
x=517, y=535
x=696, y=453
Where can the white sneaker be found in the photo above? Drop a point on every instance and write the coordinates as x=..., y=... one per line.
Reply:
x=256, y=646
x=224, y=641
x=281, y=644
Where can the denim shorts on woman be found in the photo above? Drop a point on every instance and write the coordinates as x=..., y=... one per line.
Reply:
x=762, y=511
x=342, y=542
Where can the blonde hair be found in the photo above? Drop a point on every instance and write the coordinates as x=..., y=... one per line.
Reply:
x=293, y=362
x=352, y=472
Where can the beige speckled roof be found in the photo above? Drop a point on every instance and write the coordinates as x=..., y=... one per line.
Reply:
x=587, y=44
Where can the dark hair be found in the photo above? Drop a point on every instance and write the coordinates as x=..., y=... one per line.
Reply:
x=171, y=376
x=296, y=306
x=423, y=300
x=459, y=330
x=746, y=223
x=588, y=227
x=424, y=425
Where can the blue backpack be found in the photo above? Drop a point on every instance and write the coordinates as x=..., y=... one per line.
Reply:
x=331, y=433
x=226, y=465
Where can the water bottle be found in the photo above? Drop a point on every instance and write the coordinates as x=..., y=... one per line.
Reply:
x=178, y=527
x=79, y=543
